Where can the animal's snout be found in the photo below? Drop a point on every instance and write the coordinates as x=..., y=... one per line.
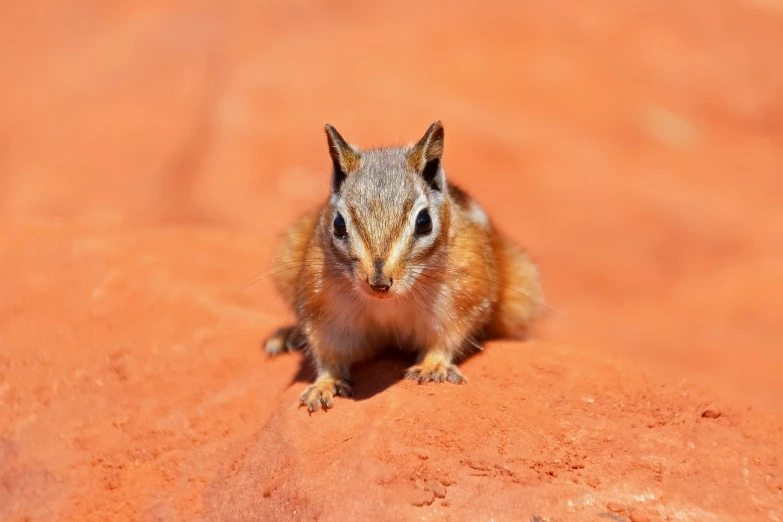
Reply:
x=379, y=281
x=380, y=284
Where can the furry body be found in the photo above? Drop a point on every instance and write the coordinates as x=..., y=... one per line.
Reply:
x=438, y=284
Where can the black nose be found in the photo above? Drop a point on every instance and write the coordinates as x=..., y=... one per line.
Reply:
x=380, y=285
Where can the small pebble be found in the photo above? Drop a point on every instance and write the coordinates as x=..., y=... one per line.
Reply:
x=437, y=488
x=614, y=507
x=711, y=414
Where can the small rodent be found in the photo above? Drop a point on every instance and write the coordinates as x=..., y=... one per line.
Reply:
x=400, y=257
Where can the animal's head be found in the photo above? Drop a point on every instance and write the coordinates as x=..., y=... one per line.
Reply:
x=389, y=213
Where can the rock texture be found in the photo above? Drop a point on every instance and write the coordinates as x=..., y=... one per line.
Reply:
x=134, y=386
x=151, y=152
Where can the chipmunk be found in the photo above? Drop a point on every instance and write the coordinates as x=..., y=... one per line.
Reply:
x=400, y=257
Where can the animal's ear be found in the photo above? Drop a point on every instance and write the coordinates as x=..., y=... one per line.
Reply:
x=345, y=158
x=425, y=156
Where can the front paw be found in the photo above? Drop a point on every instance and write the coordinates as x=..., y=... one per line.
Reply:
x=321, y=394
x=437, y=372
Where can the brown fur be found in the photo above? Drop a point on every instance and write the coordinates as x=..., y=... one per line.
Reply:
x=453, y=287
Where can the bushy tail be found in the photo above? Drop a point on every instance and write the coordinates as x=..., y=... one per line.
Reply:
x=521, y=295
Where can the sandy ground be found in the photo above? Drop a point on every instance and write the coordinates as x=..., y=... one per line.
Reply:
x=151, y=153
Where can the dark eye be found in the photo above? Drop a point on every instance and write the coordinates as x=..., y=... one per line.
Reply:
x=423, y=223
x=339, y=227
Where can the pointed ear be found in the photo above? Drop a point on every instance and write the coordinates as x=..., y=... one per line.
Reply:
x=425, y=157
x=345, y=158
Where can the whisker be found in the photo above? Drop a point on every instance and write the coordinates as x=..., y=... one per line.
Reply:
x=442, y=282
x=282, y=263
x=259, y=279
x=415, y=295
x=291, y=255
x=326, y=290
x=394, y=328
x=441, y=294
x=458, y=271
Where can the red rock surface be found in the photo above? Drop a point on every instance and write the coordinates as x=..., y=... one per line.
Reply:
x=150, y=152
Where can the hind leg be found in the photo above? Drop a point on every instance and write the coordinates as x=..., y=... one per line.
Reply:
x=285, y=339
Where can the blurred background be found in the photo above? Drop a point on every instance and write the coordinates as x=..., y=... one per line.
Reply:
x=634, y=148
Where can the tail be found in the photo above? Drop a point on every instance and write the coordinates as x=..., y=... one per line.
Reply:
x=521, y=298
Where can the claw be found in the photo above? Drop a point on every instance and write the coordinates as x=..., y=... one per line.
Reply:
x=320, y=395
x=438, y=372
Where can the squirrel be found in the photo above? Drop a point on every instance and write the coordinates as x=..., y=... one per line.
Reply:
x=397, y=256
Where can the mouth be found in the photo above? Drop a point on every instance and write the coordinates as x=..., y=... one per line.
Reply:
x=374, y=294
